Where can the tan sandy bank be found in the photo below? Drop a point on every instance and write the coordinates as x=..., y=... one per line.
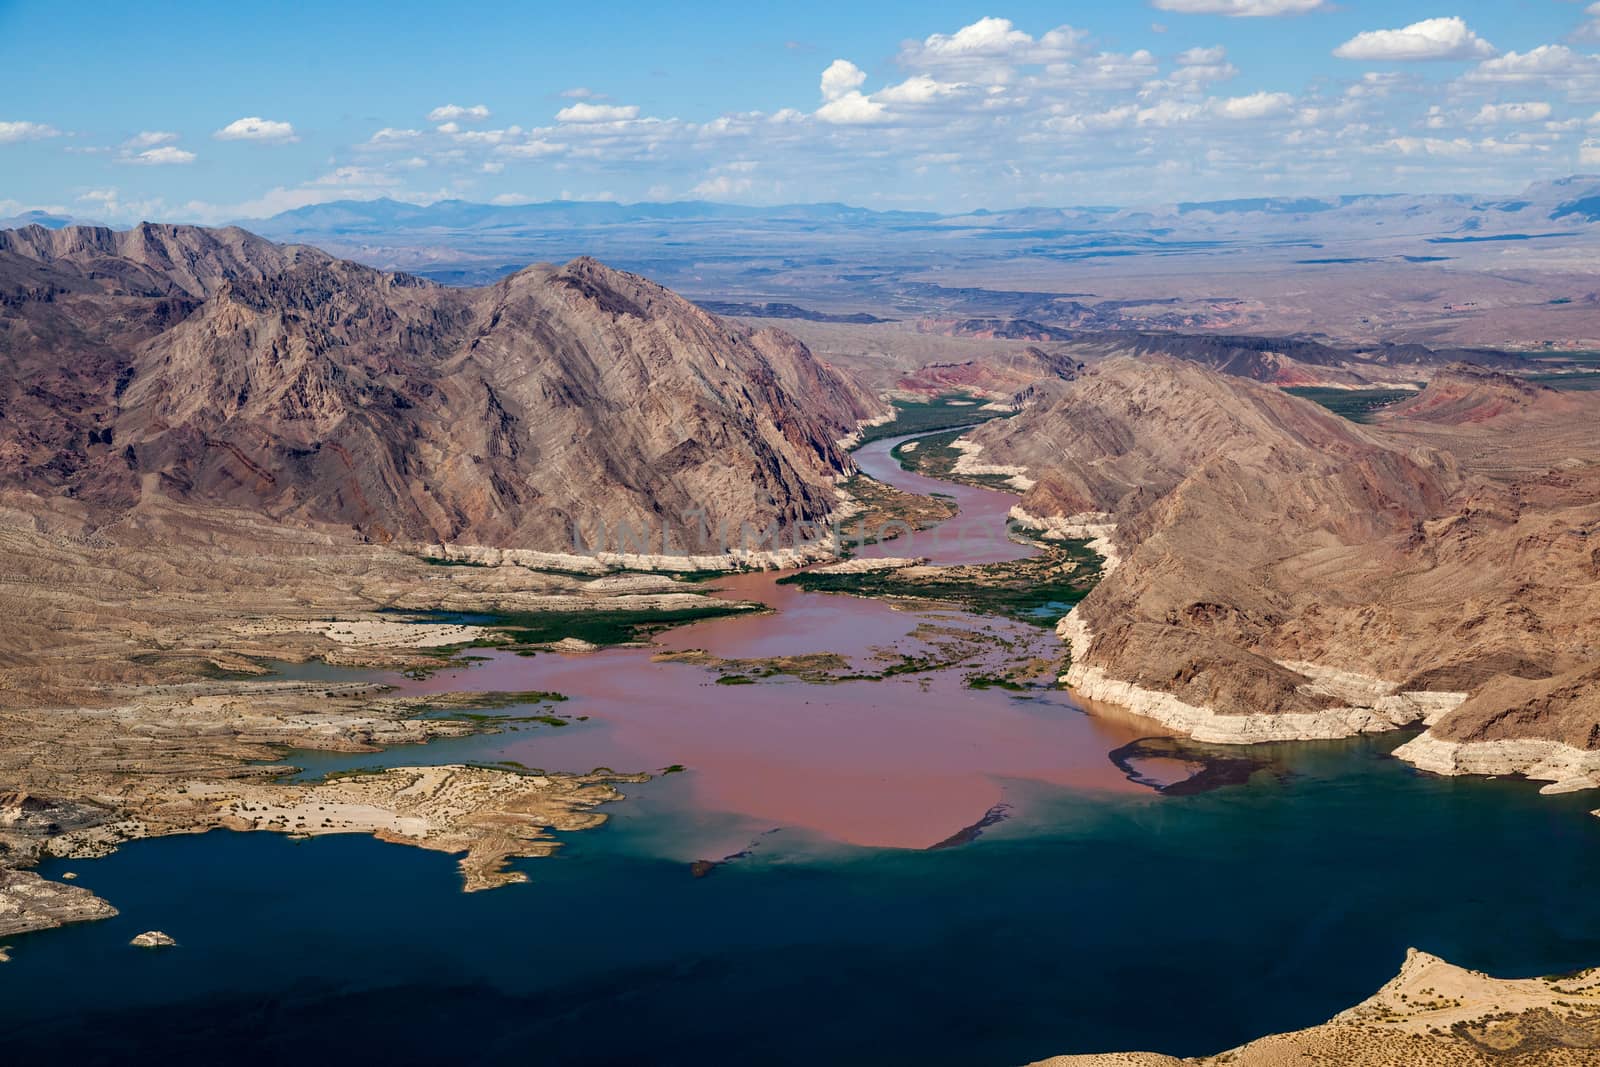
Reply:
x=1432, y=1014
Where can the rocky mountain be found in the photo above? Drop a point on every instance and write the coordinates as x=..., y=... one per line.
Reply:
x=999, y=375
x=1464, y=393
x=214, y=367
x=1281, y=572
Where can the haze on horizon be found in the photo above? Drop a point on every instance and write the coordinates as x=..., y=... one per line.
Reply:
x=944, y=106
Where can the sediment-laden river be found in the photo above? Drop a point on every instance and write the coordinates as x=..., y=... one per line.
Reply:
x=1065, y=907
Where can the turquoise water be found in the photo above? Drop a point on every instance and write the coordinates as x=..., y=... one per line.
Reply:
x=1101, y=921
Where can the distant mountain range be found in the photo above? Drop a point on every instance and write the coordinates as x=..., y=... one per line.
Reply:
x=1572, y=199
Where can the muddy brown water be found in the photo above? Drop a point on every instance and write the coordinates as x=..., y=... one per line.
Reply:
x=903, y=762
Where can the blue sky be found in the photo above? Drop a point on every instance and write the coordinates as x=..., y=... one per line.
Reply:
x=214, y=112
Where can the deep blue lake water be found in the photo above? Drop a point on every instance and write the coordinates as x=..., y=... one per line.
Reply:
x=1101, y=921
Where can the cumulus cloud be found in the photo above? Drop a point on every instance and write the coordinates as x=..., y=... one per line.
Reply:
x=354, y=177
x=390, y=135
x=457, y=113
x=721, y=187
x=149, y=139
x=1452, y=147
x=1102, y=72
x=1240, y=8
x=990, y=48
x=1495, y=114
x=108, y=204
x=166, y=155
x=852, y=109
x=1589, y=154
x=1199, y=66
x=1440, y=38
x=11, y=132
x=587, y=113
x=1549, y=66
x=843, y=102
x=841, y=77
x=1254, y=106
x=918, y=89
x=255, y=128
x=485, y=137
x=534, y=149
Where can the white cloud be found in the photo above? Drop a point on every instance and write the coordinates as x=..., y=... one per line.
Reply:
x=354, y=177
x=534, y=149
x=841, y=77
x=918, y=89
x=164, y=156
x=1589, y=154
x=149, y=139
x=1529, y=111
x=389, y=135
x=587, y=113
x=1440, y=38
x=1551, y=66
x=1456, y=147
x=107, y=204
x=1254, y=106
x=721, y=187
x=1168, y=113
x=457, y=113
x=11, y=132
x=1115, y=118
x=1240, y=8
x=254, y=128
x=1199, y=66
x=579, y=92
x=852, y=109
x=844, y=104
x=485, y=137
x=1102, y=72
x=990, y=48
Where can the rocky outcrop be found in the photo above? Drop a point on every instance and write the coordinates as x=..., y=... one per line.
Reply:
x=1309, y=702
x=153, y=939
x=29, y=902
x=1546, y=729
x=1097, y=528
x=1432, y=1012
x=971, y=464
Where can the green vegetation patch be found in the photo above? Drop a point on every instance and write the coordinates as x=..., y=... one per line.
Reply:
x=1037, y=590
x=935, y=456
x=985, y=681
x=602, y=627
x=1357, y=405
x=941, y=412
x=1576, y=382
x=888, y=512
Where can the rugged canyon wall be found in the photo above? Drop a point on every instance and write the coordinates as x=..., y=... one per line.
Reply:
x=1285, y=573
